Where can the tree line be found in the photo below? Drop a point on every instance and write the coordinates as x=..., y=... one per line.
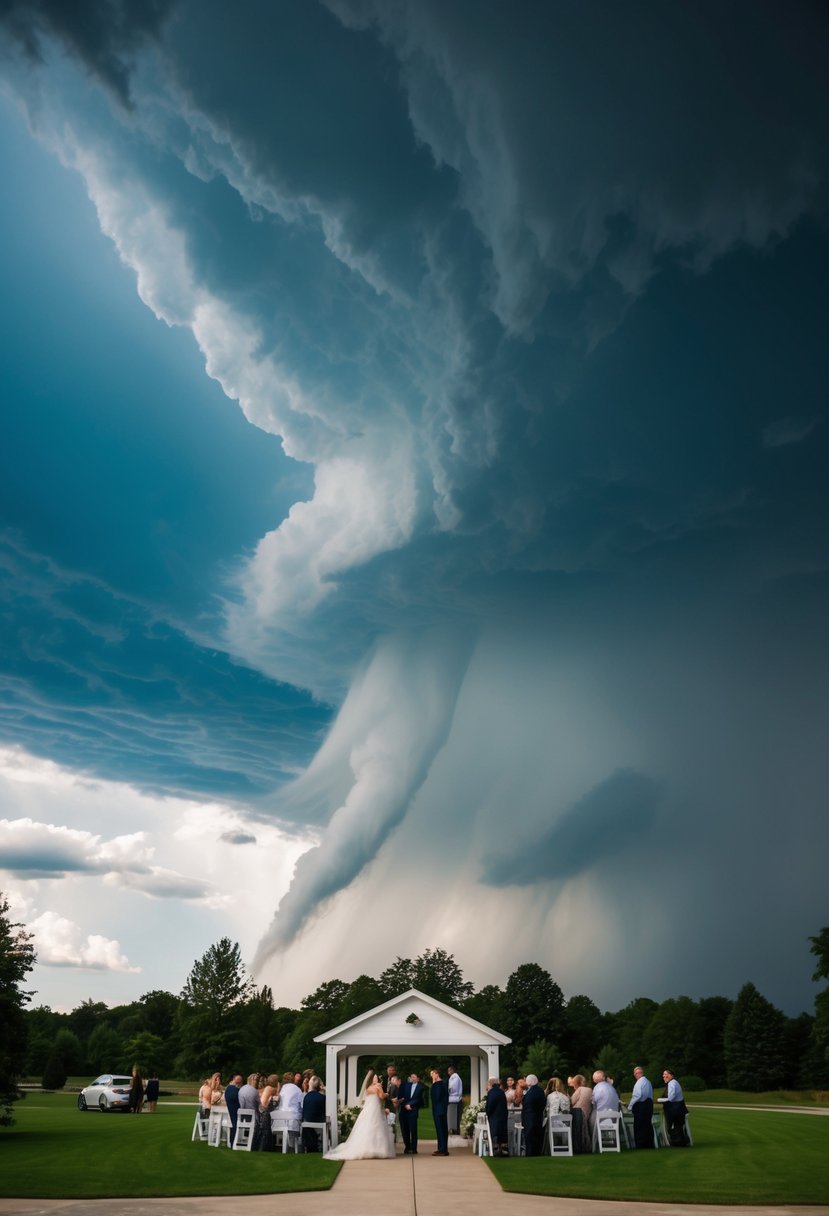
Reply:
x=221, y=1020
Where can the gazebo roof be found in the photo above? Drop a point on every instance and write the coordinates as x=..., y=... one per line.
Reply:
x=436, y=1028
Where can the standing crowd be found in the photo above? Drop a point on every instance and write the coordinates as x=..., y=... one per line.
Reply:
x=525, y=1099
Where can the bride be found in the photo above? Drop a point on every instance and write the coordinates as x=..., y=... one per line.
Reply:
x=371, y=1135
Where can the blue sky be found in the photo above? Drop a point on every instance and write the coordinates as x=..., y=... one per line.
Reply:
x=414, y=463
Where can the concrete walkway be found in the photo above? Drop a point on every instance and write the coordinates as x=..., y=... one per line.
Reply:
x=458, y=1185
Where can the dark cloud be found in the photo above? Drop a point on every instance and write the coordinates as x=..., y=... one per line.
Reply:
x=103, y=34
x=608, y=820
x=237, y=838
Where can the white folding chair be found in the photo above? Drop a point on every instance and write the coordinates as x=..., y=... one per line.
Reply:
x=560, y=1130
x=482, y=1140
x=199, y=1126
x=606, y=1137
x=320, y=1128
x=285, y=1127
x=245, y=1124
x=656, y=1124
x=218, y=1127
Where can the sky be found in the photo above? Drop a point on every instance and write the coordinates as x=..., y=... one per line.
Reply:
x=413, y=497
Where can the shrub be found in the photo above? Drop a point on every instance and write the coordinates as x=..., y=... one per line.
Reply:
x=694, y=1085
x=54, y=1074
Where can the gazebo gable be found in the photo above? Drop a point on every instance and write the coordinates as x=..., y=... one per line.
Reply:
x=412, y=1019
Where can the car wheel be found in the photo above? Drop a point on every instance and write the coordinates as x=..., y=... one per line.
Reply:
x=102, y=1102
x=81, y=1102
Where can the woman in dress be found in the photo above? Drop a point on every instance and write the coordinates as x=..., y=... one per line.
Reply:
x=136, y=1092
x=558, y=1100
x=371, y=1135
x=581, y=1107
x=211, y=1093
x=263, y=1137
x=151, y=1095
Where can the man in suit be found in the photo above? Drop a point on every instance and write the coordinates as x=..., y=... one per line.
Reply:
x=411, y=1100
x=232, y=1103
x=455, y=1084
x=496, y=1113
x=532, y=1116
x=439, y=1099
x=641, y=1107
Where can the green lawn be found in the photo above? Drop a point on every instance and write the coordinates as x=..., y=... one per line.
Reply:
x=739, y=1157
x=55, y=1152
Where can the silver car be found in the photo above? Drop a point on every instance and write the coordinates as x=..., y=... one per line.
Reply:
x=109, y=1092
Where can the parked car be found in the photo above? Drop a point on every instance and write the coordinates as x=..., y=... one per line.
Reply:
x=109, y=1092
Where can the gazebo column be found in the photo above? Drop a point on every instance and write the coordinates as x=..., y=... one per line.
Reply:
x=353, y=1083
x=332, y=1089
x=474, y=1080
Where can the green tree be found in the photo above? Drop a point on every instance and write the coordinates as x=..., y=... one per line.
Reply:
x=105, y=1050
x=83, y=1020
x=70, y=1051
x=487, y=1006
x=583, y=1031
x=628, y=1028
x=434, y=972
x=210, y=1016
x=534, y=1005
x=754, y=1052
x=54, y=1074
x=144, y=1051
x=673, y=1037
x=327, y=999
x=363, y=994
x=819, y=1039
x=17, y=957
x=544, y=1058
x=159, y=1011
x=713, y=1015
x=300, y=1050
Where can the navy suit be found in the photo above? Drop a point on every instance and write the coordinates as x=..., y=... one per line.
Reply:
x=313, y=1111
x=232, y=1104
x=496, y=1113
x=532, y=1119
x=411, y=1094
x=440, y=1113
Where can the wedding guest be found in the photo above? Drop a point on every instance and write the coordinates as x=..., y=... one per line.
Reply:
x=249, y=1093
x=290, y=1095
x=211, y=1093
x=439, y=1100
x=604, y=1099
x=263, y=1138
x=455, y=1100
x=675, y=1109
x=641, y=1107
x=313, y=1111
x=558, y=1100
x=496, y=1113
x=532, y=1116
x=136, y=1093
x=520, y=1090
x=581, y=1108
x=151, y=1095
x=509, y=1090
x=232, y=1103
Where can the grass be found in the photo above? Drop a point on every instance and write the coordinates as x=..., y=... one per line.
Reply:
x=55, y=1152
x=739, y=1157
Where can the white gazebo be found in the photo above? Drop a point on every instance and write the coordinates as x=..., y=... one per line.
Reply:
x=412, y=1024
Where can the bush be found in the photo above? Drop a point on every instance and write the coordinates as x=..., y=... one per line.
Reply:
x=54, y=1074
x=694, y=1085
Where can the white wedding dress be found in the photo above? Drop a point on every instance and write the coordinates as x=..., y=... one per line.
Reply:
x=370, y=1136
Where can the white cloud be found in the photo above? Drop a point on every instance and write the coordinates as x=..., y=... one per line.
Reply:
x=60, y=942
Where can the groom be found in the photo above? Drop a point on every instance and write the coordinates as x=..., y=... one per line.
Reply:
x=411, y=1099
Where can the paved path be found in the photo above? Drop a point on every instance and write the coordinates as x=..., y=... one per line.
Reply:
x=459, y=1185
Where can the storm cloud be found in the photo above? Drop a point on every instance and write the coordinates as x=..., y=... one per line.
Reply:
x=528, y=298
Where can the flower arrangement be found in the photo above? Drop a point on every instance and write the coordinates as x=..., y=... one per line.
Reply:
x=414, y=1020
x=346, y=1118
x=469, y=1117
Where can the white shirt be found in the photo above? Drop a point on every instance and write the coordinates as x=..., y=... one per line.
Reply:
x=455, y=1088
x=290, y=1098
x=642, y=1090
x=605, y=1096
x=674, y=1093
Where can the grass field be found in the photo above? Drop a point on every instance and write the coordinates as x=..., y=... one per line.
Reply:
x=55, y=1152
x=739, y=1157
